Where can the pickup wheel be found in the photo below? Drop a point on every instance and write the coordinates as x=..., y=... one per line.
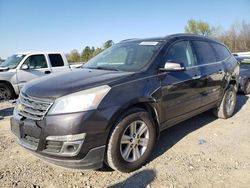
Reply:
x=247, y=87
x=131, y=142
x=6, y=92
x=227, y=105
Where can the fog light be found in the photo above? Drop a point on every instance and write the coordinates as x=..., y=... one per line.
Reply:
x=71, y=144
x=71, y=148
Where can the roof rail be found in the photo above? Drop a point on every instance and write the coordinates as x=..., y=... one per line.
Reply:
x=128, y=39
x=184, y=34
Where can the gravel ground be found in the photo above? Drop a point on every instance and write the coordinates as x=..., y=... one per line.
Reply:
x=200, y=152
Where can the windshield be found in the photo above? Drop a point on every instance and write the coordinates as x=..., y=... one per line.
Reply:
x=245, y=63
x=12, y=61
x=130, y=56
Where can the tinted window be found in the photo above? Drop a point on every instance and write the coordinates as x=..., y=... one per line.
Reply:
x=180, y=52
x=56, y=60
x=36, y=62
x=221, y=51
x=205, y=52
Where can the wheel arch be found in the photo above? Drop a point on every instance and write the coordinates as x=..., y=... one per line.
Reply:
x=232, y=82
x=135, y=106
x=10, y=86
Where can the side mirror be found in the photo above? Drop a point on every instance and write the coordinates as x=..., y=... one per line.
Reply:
x=173, y=67
x=25, y=67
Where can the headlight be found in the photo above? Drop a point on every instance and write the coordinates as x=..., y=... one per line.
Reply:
x=80, y=101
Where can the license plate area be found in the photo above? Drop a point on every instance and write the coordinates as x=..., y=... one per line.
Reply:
x=31, y=129
x=28, y=133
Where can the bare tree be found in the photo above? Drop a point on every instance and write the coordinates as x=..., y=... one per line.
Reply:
x=237, y=37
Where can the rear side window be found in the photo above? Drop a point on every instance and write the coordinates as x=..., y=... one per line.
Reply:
x=204, y=52
x=221, y=51
x=56, y=60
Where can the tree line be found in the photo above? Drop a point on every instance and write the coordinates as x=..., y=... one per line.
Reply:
x=237, y=38
x=87, y=52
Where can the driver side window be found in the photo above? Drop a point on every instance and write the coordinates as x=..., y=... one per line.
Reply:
x=36, y=62
x=180, y=52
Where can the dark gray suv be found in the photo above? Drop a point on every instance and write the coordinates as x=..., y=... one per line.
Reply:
x=113, y=109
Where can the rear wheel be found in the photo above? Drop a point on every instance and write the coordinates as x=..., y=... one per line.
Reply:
x=247, y=88
x=5, y=92
x=131, y=142
x=228, y=103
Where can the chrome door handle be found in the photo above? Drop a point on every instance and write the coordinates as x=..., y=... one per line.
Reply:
x=196, y=77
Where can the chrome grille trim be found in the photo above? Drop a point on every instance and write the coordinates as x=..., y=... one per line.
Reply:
x=34, y=109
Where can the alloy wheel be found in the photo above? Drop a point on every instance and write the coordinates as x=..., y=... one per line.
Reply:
x=248, y=87
x=134, y=141
x=230, y=102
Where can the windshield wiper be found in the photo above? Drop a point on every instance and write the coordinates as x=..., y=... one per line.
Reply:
x=102, y=68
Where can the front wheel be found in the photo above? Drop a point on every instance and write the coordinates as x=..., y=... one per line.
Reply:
x=131, y=142
x=227, y=105
x=5, y=92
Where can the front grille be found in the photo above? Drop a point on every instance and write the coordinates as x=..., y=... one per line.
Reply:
x=53, y=146
x=31, y=108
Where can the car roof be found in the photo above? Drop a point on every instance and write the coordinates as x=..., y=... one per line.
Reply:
x=173, y=36
x=38, y=52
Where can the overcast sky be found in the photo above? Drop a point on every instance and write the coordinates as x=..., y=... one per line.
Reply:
x=63, y=25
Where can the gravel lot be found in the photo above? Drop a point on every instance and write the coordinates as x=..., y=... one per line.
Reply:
x=200, y=152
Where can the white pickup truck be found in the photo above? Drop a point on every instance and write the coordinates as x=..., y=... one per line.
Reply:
x=23, y=67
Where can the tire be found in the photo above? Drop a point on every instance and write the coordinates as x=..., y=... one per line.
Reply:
x=6, y=92
x=247, y=88
x=227, y=105
x=133, y=152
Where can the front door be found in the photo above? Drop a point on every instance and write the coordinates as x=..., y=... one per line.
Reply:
x=37, y=67
x=180, y=90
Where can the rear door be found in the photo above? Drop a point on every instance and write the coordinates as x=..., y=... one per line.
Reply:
x=180, y=90
x=211, y=72
x=57, y=63
x=37, y=67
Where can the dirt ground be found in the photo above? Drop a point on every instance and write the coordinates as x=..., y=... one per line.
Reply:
x=200, y=152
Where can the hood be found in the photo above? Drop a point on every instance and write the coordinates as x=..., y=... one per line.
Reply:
x=57, y=85
x=245, y=72
x=3, y=69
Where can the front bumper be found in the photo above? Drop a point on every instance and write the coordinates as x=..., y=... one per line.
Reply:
x=93, y=160
x=33, y=135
